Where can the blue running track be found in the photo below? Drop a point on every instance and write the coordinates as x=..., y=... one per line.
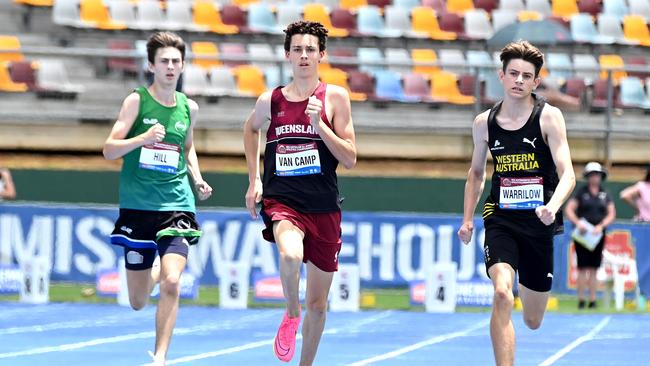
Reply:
x=82, y=334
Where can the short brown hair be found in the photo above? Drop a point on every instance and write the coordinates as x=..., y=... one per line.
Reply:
x=306, y=27
x=522, y=50
x=162, y=40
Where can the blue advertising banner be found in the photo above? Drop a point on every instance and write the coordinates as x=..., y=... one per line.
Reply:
x=390, y=249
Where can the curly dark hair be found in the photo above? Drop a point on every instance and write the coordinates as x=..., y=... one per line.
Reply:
x=522, y=50
x=162, y=40
x=306, y=27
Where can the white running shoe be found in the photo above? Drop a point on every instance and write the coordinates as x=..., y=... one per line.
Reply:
x=157, y=361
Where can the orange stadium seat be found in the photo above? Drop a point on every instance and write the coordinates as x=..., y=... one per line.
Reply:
x=444, y=86
x=425, y=22
x=424, y=55
x=564, y=8
x=459, y=6
x=10, y=43
x=526, y=15
x=95, y=14
x=339, y=77
x=612, y=62
x=352, y=4
x=205, y=49
x=207, y=15
x=635, y=28
x=250, y=80
x=8, y=85
x=244, y=3
x=45, y=3
x=316, y=12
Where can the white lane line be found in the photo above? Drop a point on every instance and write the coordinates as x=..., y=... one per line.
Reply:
x=268, y=342
x=76, y=324
x=578, y=341
x=223, y=325
x=425, y=343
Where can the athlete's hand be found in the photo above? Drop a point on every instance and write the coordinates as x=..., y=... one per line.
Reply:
x=313, y=110
x=465, y=231
x=155, y=133
x=545, y=215
x=203, y=189
x=253, y=197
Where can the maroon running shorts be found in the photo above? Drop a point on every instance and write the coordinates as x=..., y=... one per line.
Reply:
x=322, y=242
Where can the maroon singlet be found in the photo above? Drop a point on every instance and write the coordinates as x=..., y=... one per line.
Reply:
x=299, y=169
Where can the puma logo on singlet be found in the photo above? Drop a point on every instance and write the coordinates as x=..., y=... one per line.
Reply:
x=149, y=121
x=530, y=142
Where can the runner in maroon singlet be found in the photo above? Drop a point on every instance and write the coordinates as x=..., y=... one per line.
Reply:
x=310, y=132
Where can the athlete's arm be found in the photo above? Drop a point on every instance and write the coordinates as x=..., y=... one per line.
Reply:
x=631, y=195
x=340, y=139
x=202, y=187
x=554, y=128
x=258, y=117
x=475, y=177
x=116, y=145
x=9, y=192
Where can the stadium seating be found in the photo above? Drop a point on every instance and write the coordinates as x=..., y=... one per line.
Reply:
x=316, y=12
x=459, y=6
x=23, y=72
x=120, y=64
x=250, y=80
x=502, y=18
x=7, y=84
x=592, y=7
x=477, y=24
x=641, y=8
x=207, y=15
x=221, y=82
x=10, y=43
x=344, y=19
x=425, y=23
x=206, y=49
x=397, y=21
x=424, y=55
x=583, y=30
x=635, y=29
x=612, y=62
x=444, y=87
x=633, y=93
x=564, y=8
x=262, y=20
x=95, y=14
x=149, y=15
x=617, y=8
x=52, y=79
x=243, y=27
x=45, y=3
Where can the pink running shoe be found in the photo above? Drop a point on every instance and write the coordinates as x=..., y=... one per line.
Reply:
x=285, y=340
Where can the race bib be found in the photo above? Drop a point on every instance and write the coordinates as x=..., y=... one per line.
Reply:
x=160, y=157
x=521, y=193
x=294, y=160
